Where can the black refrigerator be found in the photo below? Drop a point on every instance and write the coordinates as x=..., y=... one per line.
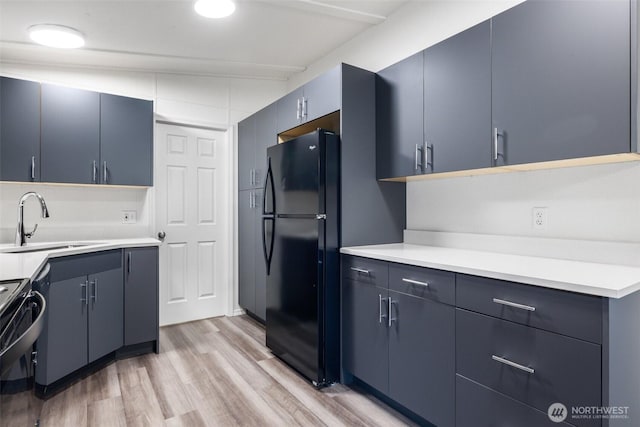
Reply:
x=301, y=240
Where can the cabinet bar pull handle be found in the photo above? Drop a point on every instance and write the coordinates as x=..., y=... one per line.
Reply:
x=304, y=107
x=360, y=270
x=390, y=318
x=419, y=166
x=496, y=135
x=104, y=172
x=514, y=304
x=84, y=286
x=415, y=282
x=380, y=315
x=94, y=297
x=33, y=167
x=513, y=364
x=95, y=172
x=250, y=200
x=428, y=148
x=298, y=109
x=129, y=260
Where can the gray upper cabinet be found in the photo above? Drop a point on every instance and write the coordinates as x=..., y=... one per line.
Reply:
x=70, y=141
x=399, y=117
x=290, y=110
x=560, y=80
x=255, y=134
x=19, y=130
x=140, y=295
x=317, y=98
x=246, y=153
x=126, y=141
x=457, y=101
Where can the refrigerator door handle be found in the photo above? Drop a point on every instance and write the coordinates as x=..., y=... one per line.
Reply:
x=268, y=182
x=268, y=253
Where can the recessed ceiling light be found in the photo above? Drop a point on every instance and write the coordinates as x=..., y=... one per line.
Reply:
x=53, y=35
x=215, y=8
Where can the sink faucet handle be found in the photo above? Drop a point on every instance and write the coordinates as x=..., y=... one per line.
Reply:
x=31, y=233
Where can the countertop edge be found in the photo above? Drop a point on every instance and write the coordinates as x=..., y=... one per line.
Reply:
x=456, y=268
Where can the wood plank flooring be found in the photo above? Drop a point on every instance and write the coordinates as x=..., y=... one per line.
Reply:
x=213, y=372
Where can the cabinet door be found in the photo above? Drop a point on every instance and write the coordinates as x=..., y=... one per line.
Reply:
x=126, y=141
x=260, y=266
x=457, y=101
x=266, y=136
x=246, y=152
x=290, y=110
x=246, y=250
x=62, y=347
x=399, y=117
x=560, y=79
x=106, y=315
x=365, y=334
x=19, y=130
x=140, y=295
x=70, y=141
x=322, y=94
x=422, y=357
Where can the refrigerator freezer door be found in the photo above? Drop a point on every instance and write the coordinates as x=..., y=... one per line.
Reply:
x=292, y=294
x=296, y=177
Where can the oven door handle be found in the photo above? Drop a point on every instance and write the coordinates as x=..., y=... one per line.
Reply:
x=25, y=341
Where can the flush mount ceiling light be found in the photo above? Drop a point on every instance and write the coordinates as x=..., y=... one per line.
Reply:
x=215, y=8
x=59, y=36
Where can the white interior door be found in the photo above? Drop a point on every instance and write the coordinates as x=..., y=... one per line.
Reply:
x=191, y=187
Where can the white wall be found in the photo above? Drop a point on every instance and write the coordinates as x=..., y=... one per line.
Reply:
x=600, y=202
x=93, y=212
x=410, y=29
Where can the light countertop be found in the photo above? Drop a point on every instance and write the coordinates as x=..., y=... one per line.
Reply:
x=28, y=264
x=606, y=280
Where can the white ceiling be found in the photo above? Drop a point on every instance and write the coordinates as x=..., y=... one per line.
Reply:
x=268, y=38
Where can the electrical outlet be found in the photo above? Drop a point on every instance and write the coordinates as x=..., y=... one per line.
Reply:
x=128, y=217
x=540, y=217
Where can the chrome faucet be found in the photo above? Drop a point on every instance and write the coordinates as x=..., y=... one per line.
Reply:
x=21, y=236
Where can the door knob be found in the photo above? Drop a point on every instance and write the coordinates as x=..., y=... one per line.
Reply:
x=162, y=235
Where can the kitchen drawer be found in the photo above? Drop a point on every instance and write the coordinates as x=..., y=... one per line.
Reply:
x=567, y=313
x=423, y=282
x=365, y=270
x=71, y=266
x=479, y=406
x=565, y=369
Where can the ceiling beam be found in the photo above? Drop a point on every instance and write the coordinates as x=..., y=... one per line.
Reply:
x=331, y=10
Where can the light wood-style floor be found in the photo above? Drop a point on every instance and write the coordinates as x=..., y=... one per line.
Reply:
x=214, y=372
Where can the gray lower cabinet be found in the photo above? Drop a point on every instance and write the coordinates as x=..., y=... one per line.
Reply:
x=365, y=334
x=140, y=295
x=126, y=141
x=399, y=337
x=251, y=266
x=70, y=135
x=84, y=313
x=19, y=130
x=563, y=92
x=105, y=312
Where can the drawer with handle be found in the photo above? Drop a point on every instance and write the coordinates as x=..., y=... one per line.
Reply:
x=365, y=270
x=479, y=406
x=423, y=282
x=528, y=364
x=567, y=313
